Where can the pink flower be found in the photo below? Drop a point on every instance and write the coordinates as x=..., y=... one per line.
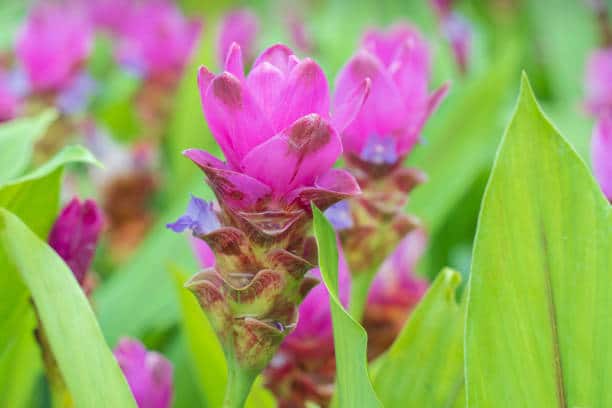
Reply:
x=9, y=102
x=397, y=63
x=157, y=38
x=458, y=32
x=53, y=44
x=239, y=26
x=601, y=153
x=275, y=129
x=148, y=373
x=75, y=234
x=109, y=14
x=598, y=82
x=395, y=282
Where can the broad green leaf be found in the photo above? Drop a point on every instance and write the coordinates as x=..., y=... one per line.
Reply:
x=17, y=140
x=86, y=363
x=350, y=339
x=34, y=197
x=538, y=331
x=424, y=366
x=205, y=352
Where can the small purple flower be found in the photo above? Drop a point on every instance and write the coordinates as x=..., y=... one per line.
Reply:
x=339, y=215
x=397, y=63
x=598, y=82
x=239, y=26
x=601, y=154
x=75, y=234
x=53, y=44
x=458, y=32
x=200, y=218
x=157, y=38
x=148, y=373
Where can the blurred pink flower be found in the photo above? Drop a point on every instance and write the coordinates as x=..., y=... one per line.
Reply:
x=601, y=154
x=109, y=14
x=280, y=111
x=239, y=26
x=458, y=32
x=53, y=44
x=75, y=234
x=148, y=373
x=397, y=63
x=156, y=38
x=598, y=82
x=9, y=102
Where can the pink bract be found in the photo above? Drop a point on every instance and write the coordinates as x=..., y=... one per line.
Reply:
x=239, y=26
x=598, y=82
x=601, y=154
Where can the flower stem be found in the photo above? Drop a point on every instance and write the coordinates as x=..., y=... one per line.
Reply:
x=239, y=382
x=360, y=285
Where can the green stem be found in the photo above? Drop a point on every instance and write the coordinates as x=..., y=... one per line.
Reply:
x=239, y=382
x=360, y=285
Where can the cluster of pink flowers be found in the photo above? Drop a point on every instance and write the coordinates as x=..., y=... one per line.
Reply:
x=599, y=104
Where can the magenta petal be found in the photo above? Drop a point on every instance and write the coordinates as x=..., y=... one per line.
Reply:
x=308, y=148
x=204, y=254
x=233, y=189
x=598, y=82
x=148, y=373
x=383, y=112
x=348, y=105
x=240, y=26
x=601, y=153
x=234, y=117
x=329, y=188
x=233, y=61
x=205, y=77
x=266, y=83
x=384, y=44
x=410, y=72
x=306, y=92
x=279, y=56
x=75, y=234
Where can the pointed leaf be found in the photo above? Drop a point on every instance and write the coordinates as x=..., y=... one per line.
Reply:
x=424, y=366
x=538, y=330
x=350, y=339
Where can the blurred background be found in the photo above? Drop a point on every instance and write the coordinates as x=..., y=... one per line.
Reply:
x=137, y=119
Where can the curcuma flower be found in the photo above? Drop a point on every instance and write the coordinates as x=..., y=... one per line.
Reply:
x=75, y=234
x=598, y=82
x=381, y=136
x=239, y=26
x=601, y=154
x=148, y=373
x=52, y=46
x=157, y=39
x=394, y=293
x=280, y=142
x=304, y=368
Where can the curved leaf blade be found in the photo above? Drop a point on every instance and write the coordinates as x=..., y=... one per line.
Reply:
x=354, y=388
x=424, y=366
x=538, y=330
x=86, y=363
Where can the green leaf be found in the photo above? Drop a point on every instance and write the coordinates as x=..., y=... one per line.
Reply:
x=538, y=332
x=86, y=363
x=17, y=140
x=424, y=366
x=205, y=352
x=350, y=339
x=35, y=197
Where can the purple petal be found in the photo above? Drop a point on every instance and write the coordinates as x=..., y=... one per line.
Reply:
x=601, y=153
x=380, y=150
x=458, y=32
x=233, y=189
x=266, y=83
x=75, y=234
x=148, y=373
x=239, y=26
x=301, y=153
x=278, y=55
x=205, y=255
x=234, y=117
x=200, y=218
x=384, y=44
x=339, y=215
